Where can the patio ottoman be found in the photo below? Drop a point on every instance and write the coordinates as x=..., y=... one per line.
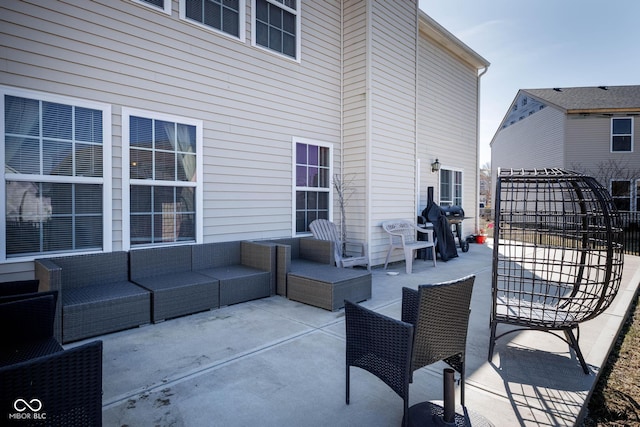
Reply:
x=326, y=286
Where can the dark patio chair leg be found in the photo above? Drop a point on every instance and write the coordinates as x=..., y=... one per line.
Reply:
x=573, y=343
x=347, y=385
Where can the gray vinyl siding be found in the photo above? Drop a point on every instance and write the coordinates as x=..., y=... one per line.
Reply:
x=393, y=117
x=251, y=101
x=534, y=142
x=588, y=146
x=447, y=122
x=355, y=118
x=354, y=87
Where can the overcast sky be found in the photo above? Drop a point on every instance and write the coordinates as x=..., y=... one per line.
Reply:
x=542, y=44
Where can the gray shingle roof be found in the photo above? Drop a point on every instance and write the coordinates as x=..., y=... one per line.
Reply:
x=590, y=98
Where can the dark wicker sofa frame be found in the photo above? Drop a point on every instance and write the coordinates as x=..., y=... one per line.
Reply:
x=176, y=290
x=244, y=269
x=306, y=273
x=95, y=294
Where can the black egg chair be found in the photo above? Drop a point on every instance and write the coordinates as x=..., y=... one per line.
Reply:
x=557, y=256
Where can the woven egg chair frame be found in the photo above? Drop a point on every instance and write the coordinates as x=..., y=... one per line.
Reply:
x=557, y=256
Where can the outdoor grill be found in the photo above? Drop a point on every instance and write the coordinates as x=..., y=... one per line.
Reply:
x=455, y=215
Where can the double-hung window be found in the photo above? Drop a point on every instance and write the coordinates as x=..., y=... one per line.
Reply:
x=56, y=155
x=621, y=134
x=621, y=193
x=162, y=164
x=277, y=26
x=163, y=5
x=450, y=187
x=225, y=16
x=312, y=177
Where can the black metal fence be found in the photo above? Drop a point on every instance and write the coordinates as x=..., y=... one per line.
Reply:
x=631, y=232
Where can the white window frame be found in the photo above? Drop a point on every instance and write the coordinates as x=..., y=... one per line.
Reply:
x=450, y=198
x=241, y=24
x=297, y=12
x=127, y=181
x=105, y=180
x=621, y=134
x=295, y=188
x=166, y=9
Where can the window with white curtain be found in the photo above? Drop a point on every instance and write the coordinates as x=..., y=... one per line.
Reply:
x=56, y=174
x=162, y=161
x=450, y=187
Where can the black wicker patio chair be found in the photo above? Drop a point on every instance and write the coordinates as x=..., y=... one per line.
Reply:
x=60, y=389
x=17, y=287
x=434, y=327
x=26, y=327
x=557, y=256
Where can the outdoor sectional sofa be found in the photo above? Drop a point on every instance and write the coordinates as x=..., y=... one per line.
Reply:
x=95, y=295
x=191, y=278
x=306, y=273
x=243, y=269
x=176, y=290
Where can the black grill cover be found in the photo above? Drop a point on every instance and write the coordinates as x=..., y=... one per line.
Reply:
x=446, y=244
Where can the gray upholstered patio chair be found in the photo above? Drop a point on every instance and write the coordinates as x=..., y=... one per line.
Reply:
x=348, y=253
x=403, y=235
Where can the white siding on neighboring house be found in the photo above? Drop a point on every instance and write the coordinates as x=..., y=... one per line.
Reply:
x=534, y=142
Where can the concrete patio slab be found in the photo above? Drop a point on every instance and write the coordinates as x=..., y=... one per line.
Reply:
x=276, y=362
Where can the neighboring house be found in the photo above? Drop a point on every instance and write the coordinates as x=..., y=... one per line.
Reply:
x=135, y=123
x=586, y=129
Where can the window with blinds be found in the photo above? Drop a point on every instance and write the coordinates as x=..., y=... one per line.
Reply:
x=53, y=176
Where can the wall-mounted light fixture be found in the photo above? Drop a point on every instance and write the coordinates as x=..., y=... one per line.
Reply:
x=435, y=166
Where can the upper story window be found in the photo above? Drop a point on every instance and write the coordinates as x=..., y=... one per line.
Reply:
x=55, y=191
x=277, y=26
x=162, y=163
x=221, y=15
x=163, y=5
x=450, y=187
x=622, y=134
x=313, y=171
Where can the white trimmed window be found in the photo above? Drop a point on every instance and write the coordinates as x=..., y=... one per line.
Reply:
x=56, y=185
x=162, y=5
x=621, y=193
x=622, y=134
x=313, y=169
x=450, y=187
x=162, y=175
x=276, y=26
x=224, y=16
